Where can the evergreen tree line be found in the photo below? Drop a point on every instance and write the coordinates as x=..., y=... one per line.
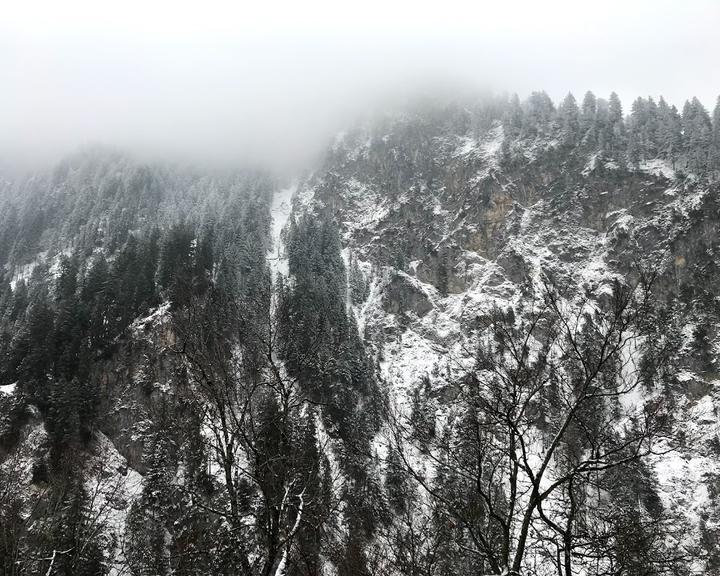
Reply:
x=236, y=478
x=62, y=325
x=689, y=140
x=323, y=350
x=96, y=199
x=259, y=491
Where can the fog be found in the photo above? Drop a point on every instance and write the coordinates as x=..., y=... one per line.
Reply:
x=270, y=82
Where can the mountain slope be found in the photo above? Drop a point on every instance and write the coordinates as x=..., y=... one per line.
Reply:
x=451, y=228
x=368, y=371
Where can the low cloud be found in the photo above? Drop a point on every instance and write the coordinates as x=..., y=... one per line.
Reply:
x=222, y=82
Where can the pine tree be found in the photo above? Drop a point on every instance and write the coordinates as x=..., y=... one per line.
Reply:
x=73, y=542
x=63, y=419
x=650, y=129
x=96, y=296
x=602, y=124
x=175, y=267
x=11, y=533
x=18, y=303
x=587, y=121
x=204, y=259
x=311, y=468
x=697, y=135
x=271, y=463
x=151, y=513
x=669, y=135
x=513, y=118
x=122, y=283
x=539, y=115
x=396, y=484
x=569, y=116
x=638, y=145
x=422, y=415
x=442, y=272
x=34, y=349
x=359, y=288
x=68, y=320
x=716, y=137
x=616, y=125
x=148, y=254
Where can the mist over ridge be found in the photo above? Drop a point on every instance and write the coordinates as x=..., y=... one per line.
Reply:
x=240, y=83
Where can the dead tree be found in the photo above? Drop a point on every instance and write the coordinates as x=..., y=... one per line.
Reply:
x=250, y=411
x=533, y=434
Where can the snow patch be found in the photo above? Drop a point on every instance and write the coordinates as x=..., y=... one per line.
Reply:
x=280, y=210
x=658, y=167
x=8, y=389
x=112, y=487
x=156, y=317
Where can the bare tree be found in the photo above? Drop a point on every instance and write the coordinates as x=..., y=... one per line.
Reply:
x=535, y=434
x=251, y=412
x=52, y=522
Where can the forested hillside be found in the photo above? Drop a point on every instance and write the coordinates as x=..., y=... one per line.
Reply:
x=478, y=338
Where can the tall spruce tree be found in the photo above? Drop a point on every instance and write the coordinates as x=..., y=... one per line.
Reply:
x=569, y=116
x=616, y=125
x=588, y=131
x=715, y=146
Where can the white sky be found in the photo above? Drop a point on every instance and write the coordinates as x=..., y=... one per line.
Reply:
x=270, y=80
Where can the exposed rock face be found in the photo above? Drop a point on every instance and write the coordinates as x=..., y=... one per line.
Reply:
x=440, y=228
x=400, y=294
x=133, y=381
x=451, y=228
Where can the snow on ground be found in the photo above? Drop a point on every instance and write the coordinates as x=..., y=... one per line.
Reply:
x=23, y=274
x=110, y=483
x=280, y=210
x=440, y=343
x=327, y=446
x=658, y=167
x=684, y=472
x=619, y=221
x=19, y=462
x=366, y=209
x=8, y=389
x=487, y=147
x=492, y=143
x=681, y=206
x=157, y=315
x=112, y=487
x=305, y=197
x=590, y=165
x=57, y=259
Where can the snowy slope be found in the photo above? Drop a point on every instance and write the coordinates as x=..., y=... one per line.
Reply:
x=280, y=212
x=491, y=236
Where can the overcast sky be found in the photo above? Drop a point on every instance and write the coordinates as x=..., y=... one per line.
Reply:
x=271, y=80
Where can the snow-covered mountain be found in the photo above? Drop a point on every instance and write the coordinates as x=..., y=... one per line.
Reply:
x=474, y=339
x=445, y=227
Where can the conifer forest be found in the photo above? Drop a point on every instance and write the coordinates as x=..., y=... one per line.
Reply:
x=474, y=334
